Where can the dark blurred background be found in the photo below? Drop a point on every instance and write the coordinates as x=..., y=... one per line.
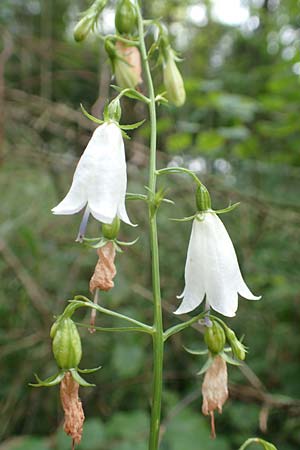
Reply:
x=240, y=131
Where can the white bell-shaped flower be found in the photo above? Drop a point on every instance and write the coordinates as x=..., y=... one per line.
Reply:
x=100, y=178
x=212, y=269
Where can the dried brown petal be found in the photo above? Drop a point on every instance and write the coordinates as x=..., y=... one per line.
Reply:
x=74, y=415
x=132, y=56
x=105, y=269
x=214, y=389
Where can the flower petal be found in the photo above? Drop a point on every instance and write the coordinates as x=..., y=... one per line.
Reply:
x=122, y=213
x=222, y=273
x=75, y=199
x=104, y=160
x=194, y=291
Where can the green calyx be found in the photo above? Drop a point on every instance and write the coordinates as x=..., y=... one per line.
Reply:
x=113, y=111
x=126, y=17
x=66, y=345
x=111, y=230
x=215, y=338
x=203, y=201
x=58, y=377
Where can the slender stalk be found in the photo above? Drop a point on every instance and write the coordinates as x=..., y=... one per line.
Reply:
x=158, y=338
x=177, y=328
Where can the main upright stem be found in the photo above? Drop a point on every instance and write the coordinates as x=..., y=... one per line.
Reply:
x=158, y=342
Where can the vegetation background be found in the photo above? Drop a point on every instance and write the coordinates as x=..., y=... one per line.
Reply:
x=240, y=130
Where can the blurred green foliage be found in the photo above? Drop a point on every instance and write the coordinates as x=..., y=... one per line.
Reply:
x=240, y=129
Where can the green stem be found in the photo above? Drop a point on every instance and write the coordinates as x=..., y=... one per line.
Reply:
x=172, y=170
x=158, y=338
x=112, y=329
x=181, y=326
x=86, y=303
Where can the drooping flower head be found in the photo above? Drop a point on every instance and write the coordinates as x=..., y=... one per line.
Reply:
x=212, y=268
x=100, y=178
x=172, y=77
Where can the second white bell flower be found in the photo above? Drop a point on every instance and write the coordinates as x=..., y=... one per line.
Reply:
x=100, y=179
x=212, y=269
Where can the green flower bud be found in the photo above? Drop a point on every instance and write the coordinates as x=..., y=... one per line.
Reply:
x=82, y=29
x=66, y=345
x=88, y=21
x=126, y=17
x=203, y=201
x=237, y=347
x=214, y=337
x=110, y=231
x=173, y=80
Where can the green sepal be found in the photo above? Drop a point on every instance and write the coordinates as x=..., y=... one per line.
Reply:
x=131, y=93
x=81, y=381
x=206, y=366
x=125, y=135
x=184, y=219
x=226, y=210
x=89, y=116
x=100, y=242
x=91, y=239
x=95, y=369
x=128, y=244
x=48, y=382
x=230, y=360
x=132, y=126
x=196, y=352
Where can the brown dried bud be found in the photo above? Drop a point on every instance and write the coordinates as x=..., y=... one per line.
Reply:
x=214, y=389
x=105, y=269
x=74, y=415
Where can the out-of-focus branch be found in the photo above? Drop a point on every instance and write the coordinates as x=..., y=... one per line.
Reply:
x=4, y=56
x=37, y=295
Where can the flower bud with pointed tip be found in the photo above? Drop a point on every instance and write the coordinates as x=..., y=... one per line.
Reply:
x=173, y=80
x=111, y=231
x=203, y=201
x=126, y=17
x=66, y=345
x=237, y=347
x=214, y=337
x=88, y=21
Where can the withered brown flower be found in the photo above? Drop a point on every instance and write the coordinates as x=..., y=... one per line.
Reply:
x=105, y=269
x=128, y=68
x=215, y=389
x=72, y=406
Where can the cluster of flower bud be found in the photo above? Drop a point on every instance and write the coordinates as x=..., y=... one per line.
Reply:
x=124, y=53
x=217, y=334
